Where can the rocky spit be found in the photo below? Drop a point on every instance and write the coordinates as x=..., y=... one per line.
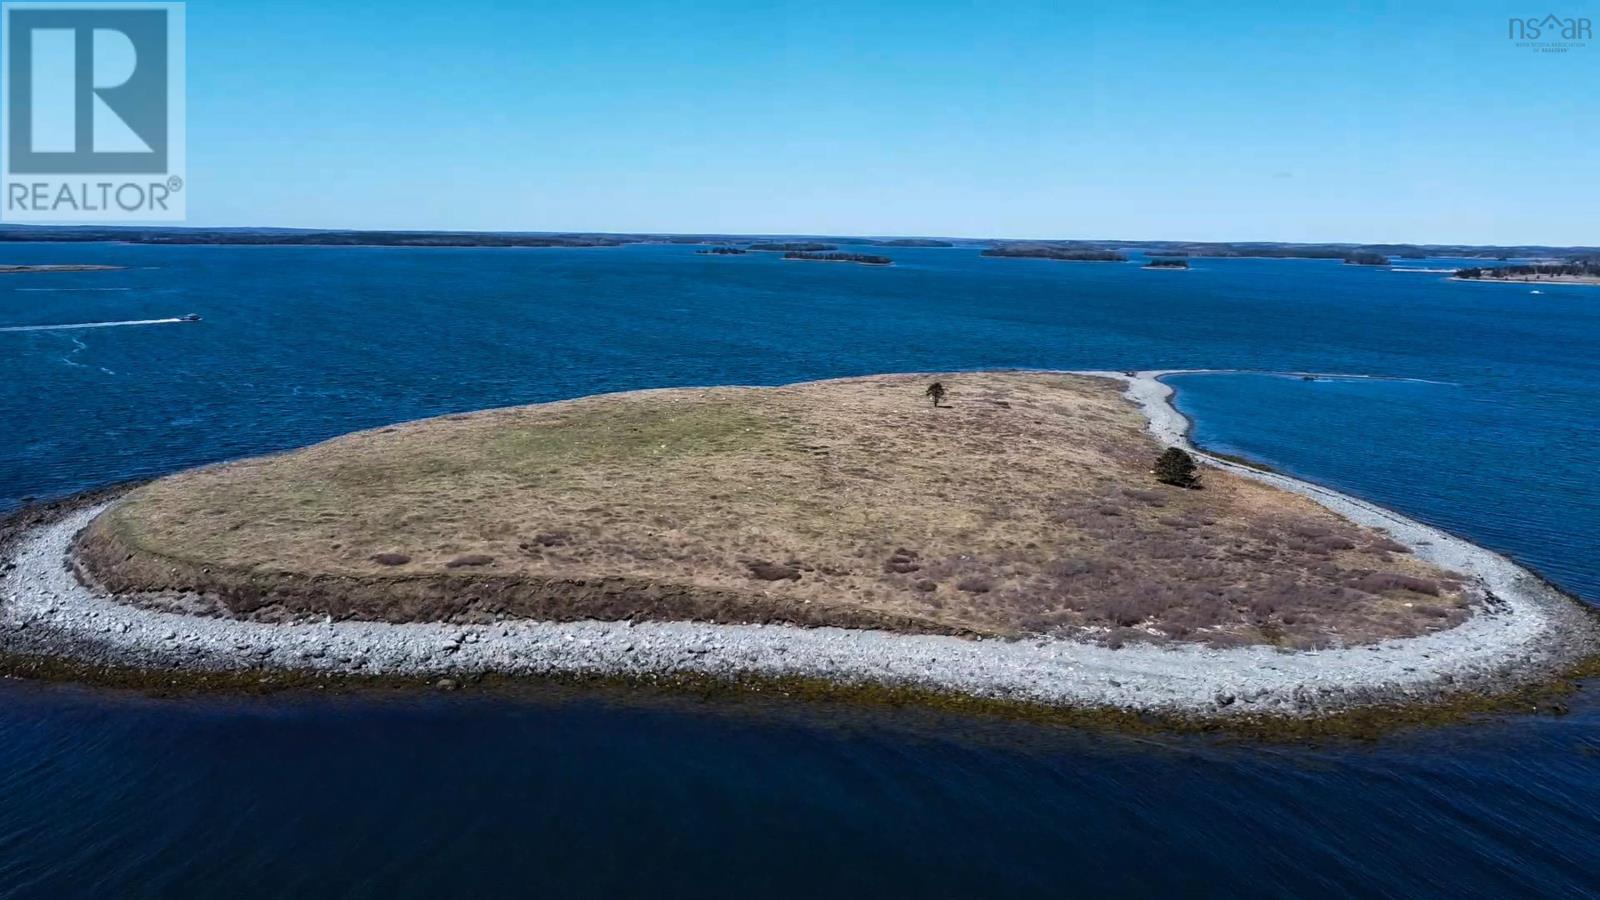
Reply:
x=1524, y=632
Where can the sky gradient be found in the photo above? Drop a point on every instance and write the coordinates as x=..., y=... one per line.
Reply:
x=1246, y=121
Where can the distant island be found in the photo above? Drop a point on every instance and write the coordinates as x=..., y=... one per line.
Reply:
x=297, y=237
x=1365, y=258
x=724, y=251
x=912, y=242
x=54, y=267
x=1586, y=271
x=862, y=258
x=1343, y=252
x=793, y=246
x=1068, y=254
x=1276, y=250
x=1167, y=264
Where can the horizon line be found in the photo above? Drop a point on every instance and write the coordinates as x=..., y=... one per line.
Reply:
x=91, y=226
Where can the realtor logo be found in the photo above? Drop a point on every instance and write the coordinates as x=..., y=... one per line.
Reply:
x=93, y=127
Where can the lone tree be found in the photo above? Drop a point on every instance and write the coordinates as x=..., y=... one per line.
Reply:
x=1177, y=467
x=936, y=393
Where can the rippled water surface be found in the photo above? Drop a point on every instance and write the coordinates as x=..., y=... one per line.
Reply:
x=103, y=794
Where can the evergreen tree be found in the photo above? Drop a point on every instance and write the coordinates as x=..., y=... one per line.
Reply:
x=1177, y=467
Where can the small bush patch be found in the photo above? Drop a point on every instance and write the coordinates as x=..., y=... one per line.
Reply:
x=1378, y=582
x=771, y=571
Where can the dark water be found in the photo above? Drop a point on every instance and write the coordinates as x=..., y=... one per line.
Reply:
x=107, y=795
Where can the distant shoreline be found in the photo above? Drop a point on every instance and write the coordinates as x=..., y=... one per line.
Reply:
x=352, y=237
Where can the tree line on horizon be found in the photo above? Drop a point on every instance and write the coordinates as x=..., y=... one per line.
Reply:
x=1588, y=267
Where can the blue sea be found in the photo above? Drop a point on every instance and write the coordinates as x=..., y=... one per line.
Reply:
x=1489, y=431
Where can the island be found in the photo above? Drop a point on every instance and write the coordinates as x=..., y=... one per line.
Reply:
x=1067, y=254
x=865, y=259
x=793, y=246
x=1366, y=258
x=16, y=269
x=1035, y=538
x=1176, y=263
x=913, y=242
x=1579, y=271
x=723, y=251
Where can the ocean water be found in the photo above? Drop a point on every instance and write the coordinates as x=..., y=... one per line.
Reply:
x=107, y=794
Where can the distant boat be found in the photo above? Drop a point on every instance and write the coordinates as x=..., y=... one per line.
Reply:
x=1536, y=292
x=191, y=317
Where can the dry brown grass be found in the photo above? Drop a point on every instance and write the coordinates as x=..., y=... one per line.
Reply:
x=1024, y=505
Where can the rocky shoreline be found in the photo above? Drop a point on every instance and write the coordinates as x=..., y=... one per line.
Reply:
x=1527, y=633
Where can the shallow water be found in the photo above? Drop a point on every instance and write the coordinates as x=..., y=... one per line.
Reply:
x=458, y=796
x=104, y=794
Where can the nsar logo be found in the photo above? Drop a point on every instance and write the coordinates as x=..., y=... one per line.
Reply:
x=1551, y=33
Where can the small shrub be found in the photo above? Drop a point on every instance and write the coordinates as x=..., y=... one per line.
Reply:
x=770, y=571
x=1176, y=467
x=1379, y=582
x=1073, y=566
x=902, y=561
x=976, y=584
x=1385, y=545
x=1334, y=542
x=1134, y=605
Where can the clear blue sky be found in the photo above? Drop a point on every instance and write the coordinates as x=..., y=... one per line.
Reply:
x=1396, y=121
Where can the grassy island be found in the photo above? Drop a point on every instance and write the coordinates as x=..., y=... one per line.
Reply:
x=1019, y=504
x=1167, y=264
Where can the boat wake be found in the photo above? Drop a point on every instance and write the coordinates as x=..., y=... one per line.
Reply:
x=171, y=321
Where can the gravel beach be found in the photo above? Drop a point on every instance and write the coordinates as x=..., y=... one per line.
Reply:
x=1525, y=632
